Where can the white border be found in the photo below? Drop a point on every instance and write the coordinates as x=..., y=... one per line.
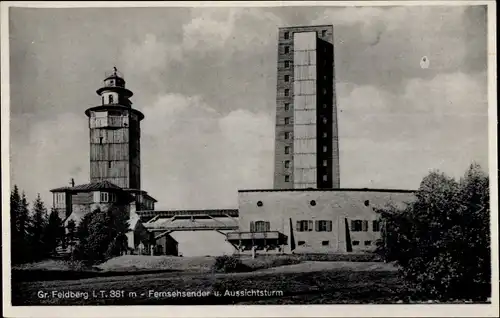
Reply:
x=454, y=310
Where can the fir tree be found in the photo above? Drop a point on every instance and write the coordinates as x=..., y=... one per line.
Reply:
x=54, y=232
x=37, y=229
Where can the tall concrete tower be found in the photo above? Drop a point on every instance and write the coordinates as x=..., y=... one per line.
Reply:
x=306, y=138
x=115, y=135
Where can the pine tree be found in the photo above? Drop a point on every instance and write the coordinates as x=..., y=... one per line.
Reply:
x=37, y=229
x=16, y=239
x=53, y=232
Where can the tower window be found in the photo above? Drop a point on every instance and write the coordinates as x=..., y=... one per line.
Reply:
x=287, y=49
x=368, y=243
x=102, y=98
x=287, y=120
x=355, y=243
x=287, y=163
x=325, y=105
x=111, y=99
x=287, y=64
x=287, y=106
x=325, y=243
x=287, y=178
x=287, y=78
x=312, y=203
x=324, y=91
x=286, y=35
x=287, y=150
x=100, y=140
x=325, y=120
x=323, y=33
x=325, y=135
x=287, y=92
x=109, y=164
x=287, y=135
x=325, y=163
x=325, y=177
x=325, y=148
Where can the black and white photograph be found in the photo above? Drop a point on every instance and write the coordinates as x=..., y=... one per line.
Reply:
x=246, y=154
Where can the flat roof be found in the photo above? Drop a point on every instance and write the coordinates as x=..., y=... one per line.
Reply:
x=332, y=190
x=305, y=26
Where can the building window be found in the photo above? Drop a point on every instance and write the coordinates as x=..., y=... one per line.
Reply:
x=359, y=226
x=325, y=135
x=325, y=105
x=100, y=140
x=287, y=49
x=262, y=226
x=110, y=99
x=325, y=177
x=287, y=164
x=102, y=98
x=300, y=243
x=109, y=164
x=368, y=243
x=287, y=64
x=287, y=178
x=287, y=135
x=287, y=150
x=304, y=226
x=355, y=243
x=376, y=226
x=324, y=91
x=325, y=163
x=287, y=106
x=367, y=202
x=259, y=203
x=104, y=197
x=312, y=203
x=286, y=35
x=287, y=92
x=325, y=243
x=323, y=33
x=325, y=120
x=325, y=148
x=287, y=120
x=323, y=226
x=287, y=78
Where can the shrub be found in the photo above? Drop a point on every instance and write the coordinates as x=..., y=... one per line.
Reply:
x=441, y=240
x=284, y=261
x=229, y=264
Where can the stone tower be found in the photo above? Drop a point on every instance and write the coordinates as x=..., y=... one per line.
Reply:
x=115, y=135
x=306, y=138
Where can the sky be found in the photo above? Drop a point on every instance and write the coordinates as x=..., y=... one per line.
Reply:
x=205, y=78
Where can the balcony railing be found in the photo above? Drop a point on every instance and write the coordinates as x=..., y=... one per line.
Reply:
x=109, y=121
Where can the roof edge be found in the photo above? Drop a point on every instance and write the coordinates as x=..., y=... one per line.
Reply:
x=329, y=190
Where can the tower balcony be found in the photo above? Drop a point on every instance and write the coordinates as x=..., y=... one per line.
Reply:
x=109, y=122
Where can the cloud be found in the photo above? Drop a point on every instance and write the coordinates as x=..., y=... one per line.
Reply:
x=432, y=124
x=50, y=156
x=195, y=158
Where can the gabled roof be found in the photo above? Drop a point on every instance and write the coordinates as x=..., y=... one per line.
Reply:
x=88, y=187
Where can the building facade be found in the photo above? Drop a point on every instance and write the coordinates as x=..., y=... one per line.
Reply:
x=306, y=135
x=312, y=220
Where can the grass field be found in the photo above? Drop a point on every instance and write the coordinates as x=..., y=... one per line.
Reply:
x=304, y=283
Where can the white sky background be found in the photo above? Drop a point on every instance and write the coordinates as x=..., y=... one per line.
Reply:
x=206, y=79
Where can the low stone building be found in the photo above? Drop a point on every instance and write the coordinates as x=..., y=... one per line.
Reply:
x=312, y=220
